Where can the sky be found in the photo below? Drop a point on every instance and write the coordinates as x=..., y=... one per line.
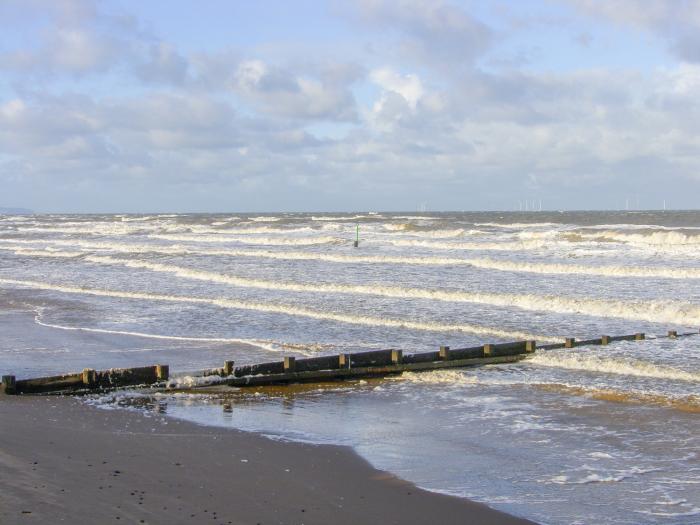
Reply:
x=362, y=105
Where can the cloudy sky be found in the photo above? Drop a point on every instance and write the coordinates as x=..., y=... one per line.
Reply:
x=133, y=106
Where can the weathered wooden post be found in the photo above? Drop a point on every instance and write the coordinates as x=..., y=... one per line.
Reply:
x=228, y=368
x=444, y=353
x=344, y=361
x=396, y=357
x=89, y=377
x=672, y=334
x=530, y=346
x=569, y=342
x=639, y=336
x=162, y=372
x=604, y=340
x=9, y=385
x=488, y=350
x=290, y=364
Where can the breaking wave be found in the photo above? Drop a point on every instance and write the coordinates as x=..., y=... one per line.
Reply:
x=502, y=246
x=272, y=241
x=249, y=230
x=284, y=309
x=251, y=342
x=520, y=225
x=109, y=229
x=485, y=263
x=577, y=269
x=265, y=344
x=412, y=229
x=183, y=250
x=656, y=238
x=345, y=219
x=655, y=311
x=617, y=366
x=652, y=311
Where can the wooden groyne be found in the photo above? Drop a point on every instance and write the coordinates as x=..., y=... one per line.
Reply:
x=88, y=379
x=375, y=363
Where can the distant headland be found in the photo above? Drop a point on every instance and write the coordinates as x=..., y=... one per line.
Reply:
x=15, y=211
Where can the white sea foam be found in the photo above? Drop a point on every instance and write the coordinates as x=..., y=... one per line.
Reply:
x=272, y=241
x=249, y=230
x=438, y=377
x=537, y=235
x=344, y=218
x=655, y=240
x=577, y=269
x=597, y=476
x=590, y=478
x=491, y=246
x=190, y=381
x=292, y=310
x=442, y=234
x=402, y=226
x=625, y=226
x=411, y=229
x=520, y=225
x=139, y=219
x=108, y=229
x=43, y=253
x=606, y=365
x=693, y=511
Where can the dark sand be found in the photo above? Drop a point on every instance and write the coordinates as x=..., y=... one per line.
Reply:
x=63, y=461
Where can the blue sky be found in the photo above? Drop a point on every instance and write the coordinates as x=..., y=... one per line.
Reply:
x=126, y=106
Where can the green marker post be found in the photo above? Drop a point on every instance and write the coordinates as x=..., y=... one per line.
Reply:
x=357, y=236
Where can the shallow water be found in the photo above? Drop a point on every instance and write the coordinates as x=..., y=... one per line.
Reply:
x=589, y=435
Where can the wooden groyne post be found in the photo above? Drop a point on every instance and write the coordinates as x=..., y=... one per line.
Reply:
x=9, y=384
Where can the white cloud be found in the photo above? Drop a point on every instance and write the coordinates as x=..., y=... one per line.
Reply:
x=281, y=92
x=12, y=110
x=76, y=39
x=250, y=73
x=683, y=80
x=434, y=32
x=77, y=51
x=408, y=86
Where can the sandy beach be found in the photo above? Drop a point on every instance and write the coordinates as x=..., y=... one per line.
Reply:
x=63, y=461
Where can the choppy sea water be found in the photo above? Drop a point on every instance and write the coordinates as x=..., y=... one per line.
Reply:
x=586, y=435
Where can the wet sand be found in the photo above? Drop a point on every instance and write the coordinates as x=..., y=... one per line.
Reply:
x=63, y=461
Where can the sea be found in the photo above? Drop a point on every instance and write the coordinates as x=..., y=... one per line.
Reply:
x=588, y=435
